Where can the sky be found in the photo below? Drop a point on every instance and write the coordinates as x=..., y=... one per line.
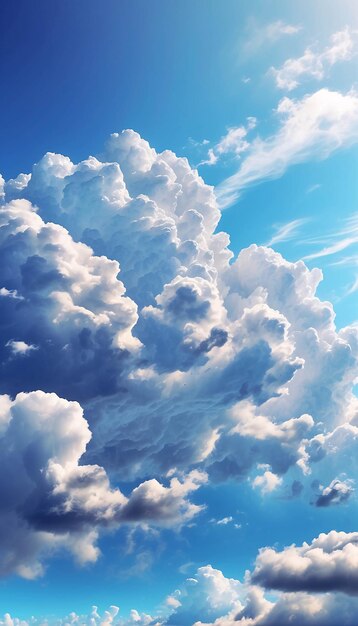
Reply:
x=178, y=325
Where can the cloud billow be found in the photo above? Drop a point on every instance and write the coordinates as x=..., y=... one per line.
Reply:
x=51, y=500
x=117, y=291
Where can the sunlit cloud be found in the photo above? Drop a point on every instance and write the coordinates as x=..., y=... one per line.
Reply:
x=313, y=63
x=309, y=129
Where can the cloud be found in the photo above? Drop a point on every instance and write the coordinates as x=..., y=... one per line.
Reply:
x=109, y=617
x=193, y=363
x=152, y=502
x=209, y=598
x=205, y=596
x=234, y=143
x=329, y=563
x=50, y=501
x=267, y=482
x=313, y=63
x=290, y=288
x=353, y=288
x=338, y=241
x=310, y=128
x=286, y=232
x=62, y=307
x=225, y=520
x=306, y=610
x=261, y=35
x=337, y=492
x=20, y=347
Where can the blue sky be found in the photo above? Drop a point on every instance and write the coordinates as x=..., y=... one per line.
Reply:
x=189, y=365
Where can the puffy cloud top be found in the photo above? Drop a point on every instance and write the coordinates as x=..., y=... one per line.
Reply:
x=50, y=500
x=189, y=364
x=329, y=563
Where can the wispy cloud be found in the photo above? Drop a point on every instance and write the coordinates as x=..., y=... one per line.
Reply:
x=338, y=246
x=353, y=288
x=315, y=64
x=313, y=188
x=211, y=159
x=261, y=35
x=225, y=521
x=286, y=232
x=310, y=128
x=337, y=241
x=351, y=260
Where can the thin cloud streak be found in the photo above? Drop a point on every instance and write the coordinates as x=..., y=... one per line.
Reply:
x=335, y=243
x=286, y=232
x=310, y=129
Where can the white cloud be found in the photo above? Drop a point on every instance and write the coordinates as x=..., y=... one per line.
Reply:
x=338, y=491
x=225, y=520
x=234, y=142
x=263, y=35
x=109, y=617
x=190, y=360
x=9, y=293
x=313, y=63
x=287, y=231
x=65, y=307
x=206, y=596
x=50, y=501
x=313, y=188
x=353, y=288
x=329, y=563
x=341, y=239
x=20, y=348
x=310, y=128
x=267, y=482
x=209, y=598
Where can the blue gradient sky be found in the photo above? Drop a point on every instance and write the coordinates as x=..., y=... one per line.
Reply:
x=180, y=73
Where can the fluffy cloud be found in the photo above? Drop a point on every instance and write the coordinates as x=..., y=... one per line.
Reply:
x=210, y=334
x=310, y=128
x=211, y=599
x=149, y=211
x=247, y=605
x=110, y=617
x=49, y=500
x=337, y=492
x=233, y=143
x=299, y=609
x=313, y=63
x=62, y=308
x=189, y=364
x=206, y=596
x=330, y=357
x=267, y=482
x=329, y=563
x=256, y=440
